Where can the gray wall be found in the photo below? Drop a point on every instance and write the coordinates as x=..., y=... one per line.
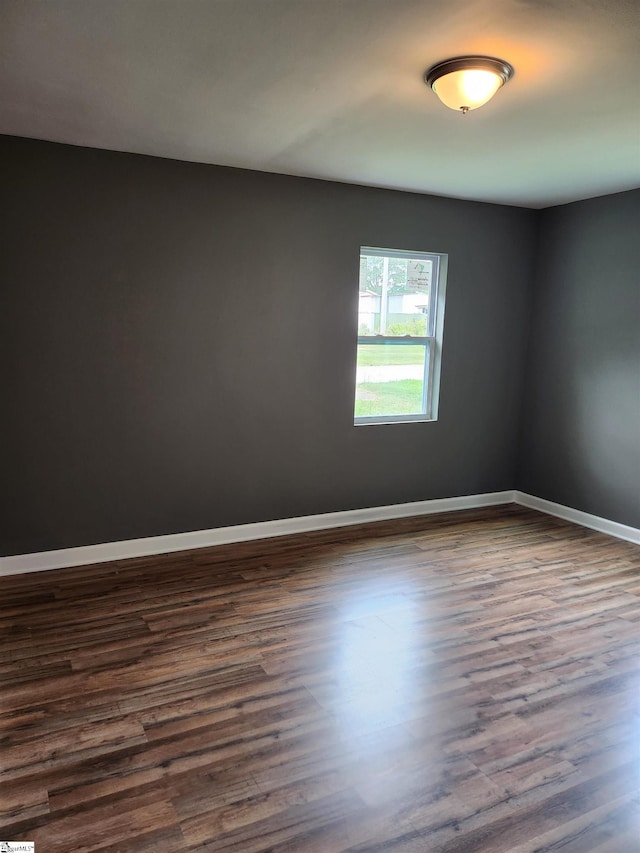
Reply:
x=581, y=425
x=180, y=339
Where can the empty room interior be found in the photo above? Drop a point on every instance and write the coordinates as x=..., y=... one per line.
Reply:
x=320, y=524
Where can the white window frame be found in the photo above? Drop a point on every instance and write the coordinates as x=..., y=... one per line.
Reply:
x=432, y=341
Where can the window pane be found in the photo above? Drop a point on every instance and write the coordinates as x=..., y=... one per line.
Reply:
x=394, y=296
x=390, y=379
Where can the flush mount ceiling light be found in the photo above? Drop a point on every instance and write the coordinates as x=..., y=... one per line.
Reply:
x=467, y=82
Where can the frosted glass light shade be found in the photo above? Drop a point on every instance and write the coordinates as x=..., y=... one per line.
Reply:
x=467, y=82
x=467, y=90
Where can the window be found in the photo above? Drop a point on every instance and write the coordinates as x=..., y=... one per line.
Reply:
x=400, y=320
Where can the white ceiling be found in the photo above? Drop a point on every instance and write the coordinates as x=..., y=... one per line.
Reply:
x=334, y=89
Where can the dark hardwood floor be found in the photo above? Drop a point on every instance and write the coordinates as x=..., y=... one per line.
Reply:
x=457, y=683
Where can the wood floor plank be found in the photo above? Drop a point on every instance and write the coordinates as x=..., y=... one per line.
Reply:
x=460, y=683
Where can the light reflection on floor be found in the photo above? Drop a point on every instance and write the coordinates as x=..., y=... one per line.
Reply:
x=374, y=659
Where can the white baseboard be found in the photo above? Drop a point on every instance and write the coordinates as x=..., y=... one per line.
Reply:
x=594, y=522
x=108, y=551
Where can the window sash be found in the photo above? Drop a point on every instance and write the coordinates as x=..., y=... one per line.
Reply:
x=429, y=343
x=368, y=251
x=396, y=340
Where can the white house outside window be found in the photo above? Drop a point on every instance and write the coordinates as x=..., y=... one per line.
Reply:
x=400, y=322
